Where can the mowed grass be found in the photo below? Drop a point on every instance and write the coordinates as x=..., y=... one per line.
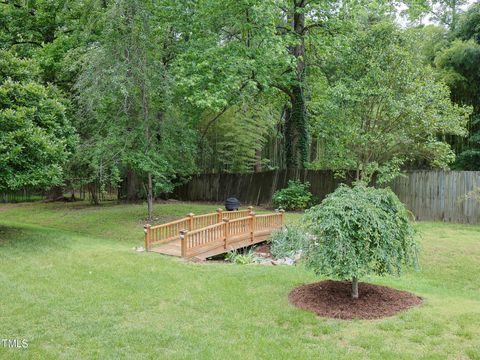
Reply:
x=72, y=285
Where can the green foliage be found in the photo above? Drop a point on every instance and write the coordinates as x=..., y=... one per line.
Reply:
x=36, y=137
x=444, y=12
x=458, y=64
x=288, y=241
x=240, y=258
x=125, y=115
x=384, y=107
x=233, y=142
x=360, y=231
x=294, y=197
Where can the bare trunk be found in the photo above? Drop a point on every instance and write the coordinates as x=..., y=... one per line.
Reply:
x=93, y=194
x=132, y=186
x=146, y=117
x=150, y=197
x=55, y=193
x=354, y=288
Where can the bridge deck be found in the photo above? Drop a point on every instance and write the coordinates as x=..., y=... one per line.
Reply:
x=174, y=248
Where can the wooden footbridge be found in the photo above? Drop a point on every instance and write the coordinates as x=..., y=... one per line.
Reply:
x=203, y=236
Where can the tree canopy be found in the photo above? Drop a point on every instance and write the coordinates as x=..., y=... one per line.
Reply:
x=36, y=137
x=141, y=95
x=384, y=106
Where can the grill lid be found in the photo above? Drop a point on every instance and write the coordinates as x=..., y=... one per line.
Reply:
x=232, y=203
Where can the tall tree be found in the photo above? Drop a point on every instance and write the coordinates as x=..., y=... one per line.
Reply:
x=245, y=47
x=36, y=137
x=123, y=97
x=385, y=108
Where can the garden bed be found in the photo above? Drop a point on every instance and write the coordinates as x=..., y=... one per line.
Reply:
x=332, y=299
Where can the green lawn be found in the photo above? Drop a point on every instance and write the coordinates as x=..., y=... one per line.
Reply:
x=72, y=285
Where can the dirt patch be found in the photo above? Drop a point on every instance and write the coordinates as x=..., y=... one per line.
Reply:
x=263, y=249
x=332, y=299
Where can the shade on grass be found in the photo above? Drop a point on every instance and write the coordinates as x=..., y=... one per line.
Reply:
x=74, y=288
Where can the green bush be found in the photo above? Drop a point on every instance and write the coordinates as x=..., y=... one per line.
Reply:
x=359, y=231
x=287, y=242
x=294, y=197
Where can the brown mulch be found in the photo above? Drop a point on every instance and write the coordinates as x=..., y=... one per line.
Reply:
x=332, y=299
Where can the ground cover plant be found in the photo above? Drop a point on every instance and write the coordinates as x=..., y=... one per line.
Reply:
x=75, y=288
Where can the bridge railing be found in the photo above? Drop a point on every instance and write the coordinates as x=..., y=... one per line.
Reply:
x=228, y=233
x=159, y=234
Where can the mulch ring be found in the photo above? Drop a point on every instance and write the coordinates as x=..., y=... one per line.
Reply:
x=332, y=299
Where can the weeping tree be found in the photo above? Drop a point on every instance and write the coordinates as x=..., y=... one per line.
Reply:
x=124, y=115
x=357, y=232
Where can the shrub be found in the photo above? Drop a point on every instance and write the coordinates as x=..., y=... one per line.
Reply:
x=294, y=197
x=360, y=231
x=287, y=242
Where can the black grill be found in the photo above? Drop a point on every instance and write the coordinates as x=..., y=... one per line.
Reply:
x=232, y=204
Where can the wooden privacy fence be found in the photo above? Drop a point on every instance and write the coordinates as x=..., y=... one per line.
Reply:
x=441, y=195
x=159, y=234
x=429, y=194
x=230, y=234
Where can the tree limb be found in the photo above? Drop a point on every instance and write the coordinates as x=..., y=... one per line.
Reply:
x=215, y=118
x=26, y=42
x=311, y=26
x=284, y=89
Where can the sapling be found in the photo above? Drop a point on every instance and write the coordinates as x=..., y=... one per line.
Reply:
x=359, y=231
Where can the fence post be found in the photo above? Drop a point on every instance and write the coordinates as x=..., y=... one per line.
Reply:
x=226, y=228
x=190, y=221
x=282, y=217
x=183, y=243
x=250, y=209
x=146, y=230
x=252, y=226
x=219, y=215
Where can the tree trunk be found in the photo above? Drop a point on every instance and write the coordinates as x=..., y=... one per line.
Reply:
x=354, y=288
x=93, y=194
x=296, y=130
x=132, y=186
x=55, y=193
x=150, y=197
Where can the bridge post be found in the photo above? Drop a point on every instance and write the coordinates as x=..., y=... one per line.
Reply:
x=282, y=217
x=183, y=243
x=190, y=221
x=146, y=230
x=226, y=228
x=252, y=226
x=219, y=215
